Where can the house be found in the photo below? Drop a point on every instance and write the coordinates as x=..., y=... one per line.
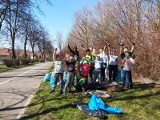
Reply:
x=5, y=53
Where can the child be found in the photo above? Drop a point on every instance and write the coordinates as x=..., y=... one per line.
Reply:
x=98, y=65
x=85, y=69
x=88, y=58
x=58, y=71
x=70, y=73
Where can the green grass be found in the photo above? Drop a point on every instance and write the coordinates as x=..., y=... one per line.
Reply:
x=140, y=103
x=4, y=68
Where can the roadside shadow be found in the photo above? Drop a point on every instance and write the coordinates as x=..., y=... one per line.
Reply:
x=138, y=87
x=144, y=86
x=45, y=112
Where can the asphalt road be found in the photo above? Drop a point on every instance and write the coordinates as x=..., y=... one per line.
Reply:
x=17, y=88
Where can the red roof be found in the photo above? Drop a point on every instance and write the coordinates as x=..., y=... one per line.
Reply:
x=20, y=53
x=5, y=52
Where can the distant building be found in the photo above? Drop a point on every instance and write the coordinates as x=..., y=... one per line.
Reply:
x=6, y=53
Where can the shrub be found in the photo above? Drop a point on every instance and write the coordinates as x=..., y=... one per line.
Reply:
x=41, y=60
x=32, y=61
x=16, y=62
x=8, y=62
x=25, y=61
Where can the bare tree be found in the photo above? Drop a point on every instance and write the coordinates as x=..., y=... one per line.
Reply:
x=82, y=27
x=14, y=15
x=3, y=10
x=33, y=37
x=43, y=41
x=59, y=40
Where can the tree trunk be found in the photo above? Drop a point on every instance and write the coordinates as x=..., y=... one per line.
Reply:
x=25, y=44
x=13, y=45
x=33, y=51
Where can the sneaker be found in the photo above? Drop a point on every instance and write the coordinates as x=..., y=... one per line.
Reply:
x=125, y=88
x=131, y=87
x=64, y=92
x=83, y=90
x=60, y=92
x=52, y=91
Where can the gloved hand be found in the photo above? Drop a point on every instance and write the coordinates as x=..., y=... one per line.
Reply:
x=133, y=43
x=133, y=56
x=121, y=44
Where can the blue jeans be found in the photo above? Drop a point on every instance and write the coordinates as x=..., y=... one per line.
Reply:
x=113, y=69
x=97, y=75
x=58, y=77
x=84, y=84
x=70, y=78
x=127, y=78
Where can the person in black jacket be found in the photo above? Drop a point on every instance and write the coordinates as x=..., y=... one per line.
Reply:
x=74, y=52
x=70, y=73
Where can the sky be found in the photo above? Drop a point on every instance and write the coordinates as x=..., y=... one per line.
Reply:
x=60, y=16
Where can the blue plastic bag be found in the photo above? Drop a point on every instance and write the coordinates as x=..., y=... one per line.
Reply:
x=96, y=103
x=65, y=76
x=47, y=77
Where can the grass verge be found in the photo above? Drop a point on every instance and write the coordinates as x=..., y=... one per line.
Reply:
x=140, y=103
x=4, y=68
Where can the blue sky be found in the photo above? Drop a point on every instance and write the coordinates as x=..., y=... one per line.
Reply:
x=60, y=16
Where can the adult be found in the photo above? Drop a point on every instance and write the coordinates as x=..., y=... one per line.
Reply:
x=104, y=58
x=74, y=52
x=112, y=64
x=70, y=73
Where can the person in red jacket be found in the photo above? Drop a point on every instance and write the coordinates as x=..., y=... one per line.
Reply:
x=84, y=71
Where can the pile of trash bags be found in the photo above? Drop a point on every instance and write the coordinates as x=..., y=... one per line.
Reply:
x=97, y=108
x=50, y=77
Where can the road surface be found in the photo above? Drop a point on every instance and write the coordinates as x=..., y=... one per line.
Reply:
x=17, y=87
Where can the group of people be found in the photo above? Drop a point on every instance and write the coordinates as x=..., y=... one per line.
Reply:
x=93, y=67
